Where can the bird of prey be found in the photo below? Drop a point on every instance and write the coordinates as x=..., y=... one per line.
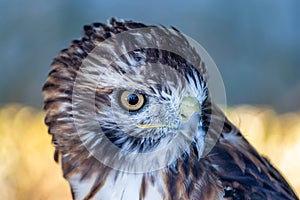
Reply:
x=131, y=119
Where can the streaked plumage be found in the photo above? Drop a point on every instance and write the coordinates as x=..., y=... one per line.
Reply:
x=232, y=169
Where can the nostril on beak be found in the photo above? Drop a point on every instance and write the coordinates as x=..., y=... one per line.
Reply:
x=183, y=115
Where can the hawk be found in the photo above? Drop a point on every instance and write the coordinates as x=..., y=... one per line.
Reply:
x=132, y=119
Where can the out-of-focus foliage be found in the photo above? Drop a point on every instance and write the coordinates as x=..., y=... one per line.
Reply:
x=27, y=168
x=28, y=171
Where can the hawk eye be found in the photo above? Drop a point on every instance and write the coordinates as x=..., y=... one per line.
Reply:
x=132, y=101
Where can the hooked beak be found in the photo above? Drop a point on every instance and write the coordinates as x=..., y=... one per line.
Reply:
x=188, y=107
x=189, y=115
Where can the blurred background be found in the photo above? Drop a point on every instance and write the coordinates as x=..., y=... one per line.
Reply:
x=255, y=44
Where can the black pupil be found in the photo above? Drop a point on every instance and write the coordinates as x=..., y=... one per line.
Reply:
x=132, y=99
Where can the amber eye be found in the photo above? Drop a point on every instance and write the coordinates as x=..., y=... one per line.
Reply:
x=132, y=101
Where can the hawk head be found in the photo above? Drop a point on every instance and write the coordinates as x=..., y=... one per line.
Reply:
x=131, y=117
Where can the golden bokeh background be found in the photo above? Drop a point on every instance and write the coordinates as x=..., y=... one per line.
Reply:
x=28, y=171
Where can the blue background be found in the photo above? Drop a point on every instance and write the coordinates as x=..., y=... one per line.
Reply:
x=255, y=44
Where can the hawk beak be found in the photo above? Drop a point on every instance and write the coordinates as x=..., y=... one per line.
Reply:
x=188, y=107
x=189, y=115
